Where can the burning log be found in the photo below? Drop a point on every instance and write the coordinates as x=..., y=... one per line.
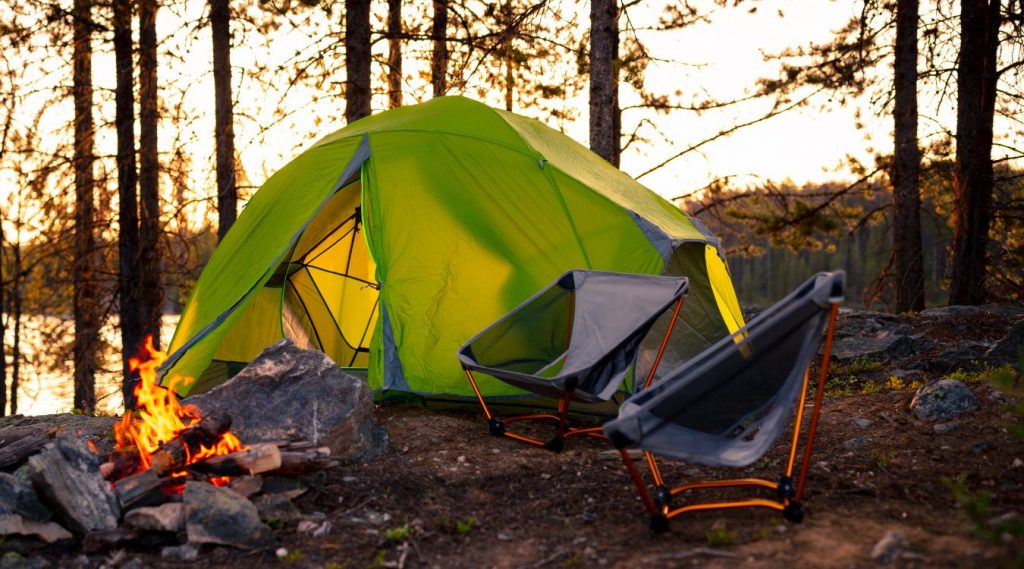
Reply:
x=174, y=454
x=254, y=460
x=142, y=489
x=19, y=443
x=306, y=461
x=120, y=465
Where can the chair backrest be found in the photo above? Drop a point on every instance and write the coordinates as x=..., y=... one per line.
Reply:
x=729, y=403
x=585, y=329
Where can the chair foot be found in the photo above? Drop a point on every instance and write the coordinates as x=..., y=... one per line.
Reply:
x=659, y=523
x=661, y=496
x=496, y=427
x=555, y=445
x=786, y=489
x=793, y=512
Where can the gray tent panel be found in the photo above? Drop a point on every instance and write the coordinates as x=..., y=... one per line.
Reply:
x=579, y=334
x=727, y=405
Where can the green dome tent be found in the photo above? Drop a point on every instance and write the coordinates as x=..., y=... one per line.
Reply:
x=389, y=243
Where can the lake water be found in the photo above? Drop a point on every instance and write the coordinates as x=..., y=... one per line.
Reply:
x=47, y=385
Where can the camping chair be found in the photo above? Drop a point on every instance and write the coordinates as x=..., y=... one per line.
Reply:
x=727, y=405
x=575, y=340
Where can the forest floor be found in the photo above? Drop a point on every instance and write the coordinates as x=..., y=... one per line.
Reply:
x=447, y=494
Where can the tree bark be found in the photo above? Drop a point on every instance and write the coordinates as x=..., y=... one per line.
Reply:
x=16, y=309
x=394, y=54
x=909, y=258
x=86, y=313
x=150, y=289
x=127, y=194
x=357, y=59
x=604, y=85
x=3, y=325
x=973, y=176
x=439, y=54
x=227, y=193
x=509, y=72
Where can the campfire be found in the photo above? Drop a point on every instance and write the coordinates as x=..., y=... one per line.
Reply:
x=177, y=471
x=162, y=433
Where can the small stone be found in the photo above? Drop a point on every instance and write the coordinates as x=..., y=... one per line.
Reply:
x=247, y=485
x=165, y=517
x=281, y=553
x=47, y=531
x=13, y=560
x=855, y=443
x=315, y=527
x=276, y=507
x=942, y=400
x=944, y=428
x=506, y=536
x=887, y=548
x=220, y=516
x=1017, y=463
x=982, y=447
x=862, y=422
x=185, y=552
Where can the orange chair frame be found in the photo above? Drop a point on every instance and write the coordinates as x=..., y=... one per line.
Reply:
x=789, y=495
x=499, y=427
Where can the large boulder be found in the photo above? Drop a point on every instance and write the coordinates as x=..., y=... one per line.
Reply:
x=943, y=400
x=291, y=393
x=1010, y=349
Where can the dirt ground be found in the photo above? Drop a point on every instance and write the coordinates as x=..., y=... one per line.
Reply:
x=448, y=494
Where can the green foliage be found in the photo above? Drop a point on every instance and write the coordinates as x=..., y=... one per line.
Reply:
x=463, y=527
x=719, y=537
x=977, y=506
x=574, y=559
x=275, y=523
x=378, y=559
x=397, y=534
x=1010, y=380
x=884, y=458
x=292, y=557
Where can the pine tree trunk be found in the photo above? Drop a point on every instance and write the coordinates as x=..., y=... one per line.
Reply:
x=127, y=194
x=909, y=258
x=150, y=289
x=394, y=54
x=973, y=177
x=439, y=55
x=86, y=309
x=3, y=326
x=16, y=302
x=227, y=193
x=604, y=47
x=357, y=59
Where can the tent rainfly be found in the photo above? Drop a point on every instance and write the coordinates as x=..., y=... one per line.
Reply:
x=390, y=242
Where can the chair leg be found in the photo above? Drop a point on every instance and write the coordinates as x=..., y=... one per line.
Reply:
x=812, y=430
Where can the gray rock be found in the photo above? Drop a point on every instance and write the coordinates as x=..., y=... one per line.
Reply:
x=13, y=560
x=862, y=423
x=220, y=516
x=855, y=443
x=944, y=428
x=277, y=507
x=247, y=485
x=13, y=524
x=965, y=356
x=18, y=497
x=165, y=517
x=291, y=393
x=887, y=548
x=1010, y=349
x=186, y=552
x=67, y=475
x=942, y=400
x=882, y=346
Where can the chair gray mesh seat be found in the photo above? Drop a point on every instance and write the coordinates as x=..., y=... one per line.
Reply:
x=576, y=340
x=580, y=334
x=727, y=405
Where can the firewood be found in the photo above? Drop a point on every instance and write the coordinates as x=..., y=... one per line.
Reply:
x=121, y=464
x=142, y=489
x=254, y=460
x=304, y=462
x=19, y=443
x=171, y=456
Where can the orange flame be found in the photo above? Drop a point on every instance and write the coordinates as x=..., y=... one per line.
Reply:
x=160, y=417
